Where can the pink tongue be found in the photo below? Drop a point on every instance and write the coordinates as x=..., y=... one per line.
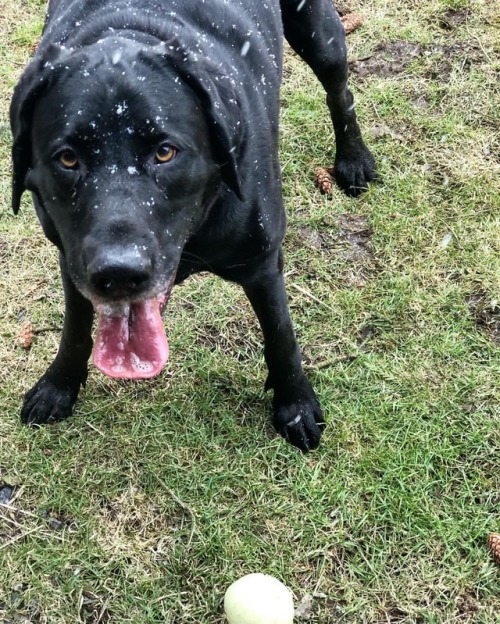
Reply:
x=130, y=341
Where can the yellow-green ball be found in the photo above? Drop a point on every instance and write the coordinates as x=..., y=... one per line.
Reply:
x=258, y=599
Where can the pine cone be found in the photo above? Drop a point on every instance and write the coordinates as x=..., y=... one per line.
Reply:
x=26, y=335
x=494, y=542
x=351, y=22
x=323, y=180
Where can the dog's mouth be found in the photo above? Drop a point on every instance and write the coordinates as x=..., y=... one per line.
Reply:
x=130, y=342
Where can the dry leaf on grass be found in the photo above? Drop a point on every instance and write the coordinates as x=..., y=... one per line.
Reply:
x=351, y=22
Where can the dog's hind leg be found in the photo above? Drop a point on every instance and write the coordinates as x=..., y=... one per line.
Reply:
x=297, y=414
x=314, y=30
x=52, y=398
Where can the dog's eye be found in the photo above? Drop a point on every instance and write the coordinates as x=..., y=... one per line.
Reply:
x=165, y=153
x=68, y=159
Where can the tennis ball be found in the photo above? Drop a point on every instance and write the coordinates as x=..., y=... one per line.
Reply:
x=258, y=599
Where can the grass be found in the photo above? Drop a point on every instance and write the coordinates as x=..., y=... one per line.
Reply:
x=155, y=496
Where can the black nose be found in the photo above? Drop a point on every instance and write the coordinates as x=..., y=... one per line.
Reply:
x=120, y=275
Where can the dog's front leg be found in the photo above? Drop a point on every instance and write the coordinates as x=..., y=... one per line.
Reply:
x=53, y=397
x=297, y=414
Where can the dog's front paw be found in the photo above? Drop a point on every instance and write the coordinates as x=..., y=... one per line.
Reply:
x=354, y=169
x=299, y=419
x=48, y=401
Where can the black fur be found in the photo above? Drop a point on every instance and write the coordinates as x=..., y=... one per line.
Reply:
x=113, y=79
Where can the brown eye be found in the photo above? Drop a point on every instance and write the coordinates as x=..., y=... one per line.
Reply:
x=165, y=153
x=68, y=159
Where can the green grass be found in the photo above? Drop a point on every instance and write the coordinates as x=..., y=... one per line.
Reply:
x=156, y=495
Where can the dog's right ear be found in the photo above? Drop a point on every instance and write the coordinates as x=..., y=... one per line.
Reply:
x=220, y=102
x=36, y=78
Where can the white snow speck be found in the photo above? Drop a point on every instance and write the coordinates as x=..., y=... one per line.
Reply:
x=446, y=240
x=121, y=108
x=245, y=48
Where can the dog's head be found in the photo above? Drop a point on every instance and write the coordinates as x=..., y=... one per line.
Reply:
x=125, y=148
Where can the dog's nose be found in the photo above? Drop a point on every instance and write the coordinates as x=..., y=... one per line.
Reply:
x=120, y=275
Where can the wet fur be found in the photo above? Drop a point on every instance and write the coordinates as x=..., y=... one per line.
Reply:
x=220, y=201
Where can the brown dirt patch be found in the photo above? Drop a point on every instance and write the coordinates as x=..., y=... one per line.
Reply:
x=15, y=608
x=348, y=241
x=467, y=607
x=395, y=57
x=238, y=338
x=454, y=18
x=93, y=609
x=387, y=59
x=486, y=314
x=354, y=235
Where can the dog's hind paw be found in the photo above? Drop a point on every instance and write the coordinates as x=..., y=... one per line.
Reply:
x=299, y=421
x=47, y=402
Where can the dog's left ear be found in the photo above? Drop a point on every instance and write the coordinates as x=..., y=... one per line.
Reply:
x=221, y=105
x=36, y=78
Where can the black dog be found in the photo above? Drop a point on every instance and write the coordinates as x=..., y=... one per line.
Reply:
x=147, y=133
